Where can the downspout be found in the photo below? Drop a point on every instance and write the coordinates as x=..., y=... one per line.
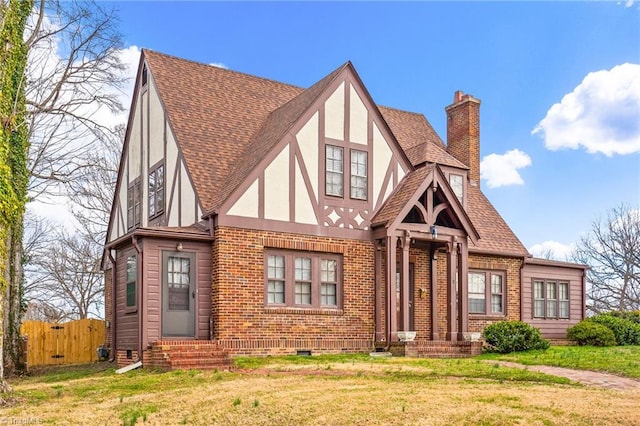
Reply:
x=114, y=277
x=524, y=259
x=139, y=274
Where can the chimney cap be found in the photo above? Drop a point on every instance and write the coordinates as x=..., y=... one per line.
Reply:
x=459, y=96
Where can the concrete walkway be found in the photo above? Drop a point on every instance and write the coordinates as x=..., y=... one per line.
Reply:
x=589, y=378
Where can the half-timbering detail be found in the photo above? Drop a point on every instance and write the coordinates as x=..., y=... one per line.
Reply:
x=256, y=218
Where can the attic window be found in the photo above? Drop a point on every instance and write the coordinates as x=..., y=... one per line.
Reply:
x=156, y=190
x=457, y=185
x=144, y=75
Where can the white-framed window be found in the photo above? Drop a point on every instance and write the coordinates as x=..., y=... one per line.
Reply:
x=334, y=178
x=358, y=174
x=302, y=279
x=486, y=292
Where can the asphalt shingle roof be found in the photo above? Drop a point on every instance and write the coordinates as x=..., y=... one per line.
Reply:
x=225, y=122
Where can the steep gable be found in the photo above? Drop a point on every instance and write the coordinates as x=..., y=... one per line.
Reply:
x=214, y=114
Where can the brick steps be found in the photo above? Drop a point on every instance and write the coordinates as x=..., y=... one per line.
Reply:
x=186, y=355
x=436, y=349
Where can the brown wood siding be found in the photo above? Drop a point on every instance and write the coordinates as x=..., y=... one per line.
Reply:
x=126, y=322
x=552, y=328
x=153, y=249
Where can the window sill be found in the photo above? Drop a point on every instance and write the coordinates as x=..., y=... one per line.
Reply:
x=302, y=311
x=131, y=310
x=550, y=319
x=486, y=316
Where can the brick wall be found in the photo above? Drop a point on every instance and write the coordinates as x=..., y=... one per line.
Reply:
x=463, y=132
x=511, y=266
x=244, y=325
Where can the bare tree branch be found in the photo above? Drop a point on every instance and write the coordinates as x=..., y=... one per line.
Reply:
x=611, y=249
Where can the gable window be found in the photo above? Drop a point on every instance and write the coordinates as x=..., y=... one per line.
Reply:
x=486, y=292
x=456, y=183
x=550, y=299
x=133, y=204
x=144, y=75
x=334, y=174
x=302, y=280
x=358, y=174
x=131, y=281
x=156, y=190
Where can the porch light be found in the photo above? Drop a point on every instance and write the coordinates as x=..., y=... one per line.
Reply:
x=179, y=247
x=434, y=232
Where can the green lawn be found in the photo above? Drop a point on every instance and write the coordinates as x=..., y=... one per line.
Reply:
x=332, y=389
x=620, y=360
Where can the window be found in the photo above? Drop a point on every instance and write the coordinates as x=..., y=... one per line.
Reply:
x=133, y=204
x=329, y=282
x=178, y=282
x=144, y=75
x=156, y=191
x=303, y=280
x=486, y=292
x=358, y=175
x=131, y=281
x=550, y=299
x=275, y=277
x=334, y=175
x=455, y=181
x=300, y=279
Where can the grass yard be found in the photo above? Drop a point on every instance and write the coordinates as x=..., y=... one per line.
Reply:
x=328, y=390
x=620, y=360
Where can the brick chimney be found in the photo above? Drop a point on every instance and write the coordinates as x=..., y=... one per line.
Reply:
x=463, y=133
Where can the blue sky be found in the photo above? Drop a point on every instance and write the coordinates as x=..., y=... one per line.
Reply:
x=519, y=58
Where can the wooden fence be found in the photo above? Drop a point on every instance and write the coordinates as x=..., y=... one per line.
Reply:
x=73, y=342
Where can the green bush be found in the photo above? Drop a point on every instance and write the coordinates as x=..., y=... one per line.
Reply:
x=513, y=336
x=587, y=332
x=633, y=316
x=625, y=331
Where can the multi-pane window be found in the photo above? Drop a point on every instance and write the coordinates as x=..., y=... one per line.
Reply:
x=133, y=204
x=178, y=282
x=156, y=191
x=550, y=299
x=486, y=292
x=131, y=281
x=334, y=180
x=455, y=181
x=328, y=282
x=351, y=170
x=303, y=280
x=358, y=174
x=300, y=279
x=275, y=279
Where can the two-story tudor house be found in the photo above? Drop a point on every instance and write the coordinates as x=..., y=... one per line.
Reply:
x=256, y=217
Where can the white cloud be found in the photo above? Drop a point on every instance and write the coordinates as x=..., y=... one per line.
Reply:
x=601, y=115
x=502, y=170
x=219, y=65
x=552, y=250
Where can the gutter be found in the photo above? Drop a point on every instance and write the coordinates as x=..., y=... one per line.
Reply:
x=113, y=306
x=139, y=270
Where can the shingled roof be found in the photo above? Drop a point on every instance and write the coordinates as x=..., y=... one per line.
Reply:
x=225, y=122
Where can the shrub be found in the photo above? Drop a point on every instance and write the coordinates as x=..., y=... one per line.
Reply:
x=513, y=336
x=633, y=316
x=625, y=331
x=588, y=332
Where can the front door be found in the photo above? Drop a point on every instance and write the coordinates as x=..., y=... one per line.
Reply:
x=178, y=294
